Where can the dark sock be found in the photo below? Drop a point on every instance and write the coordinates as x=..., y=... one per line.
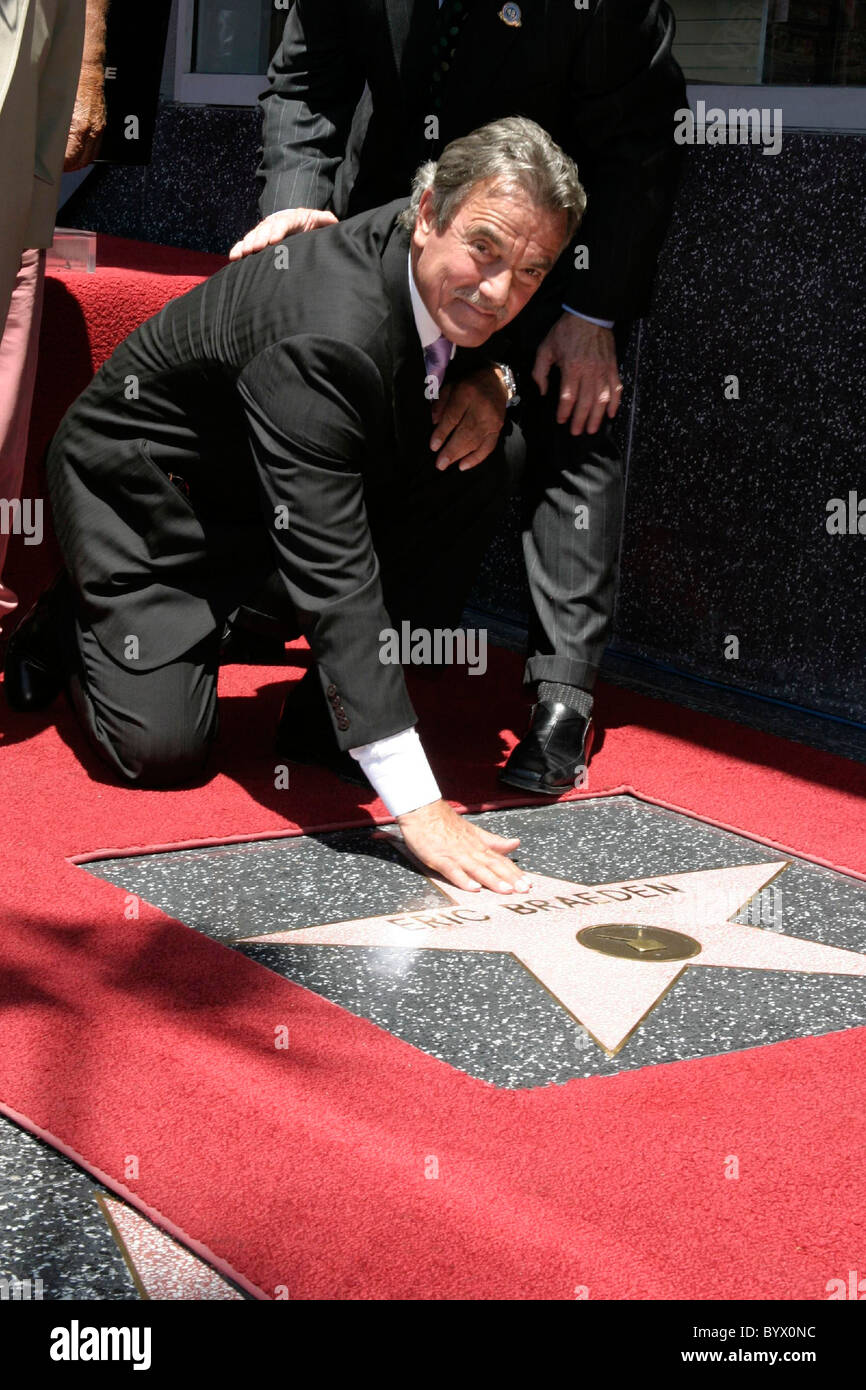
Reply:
x=571, y=695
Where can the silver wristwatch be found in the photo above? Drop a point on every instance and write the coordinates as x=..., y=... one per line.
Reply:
x=508, y=381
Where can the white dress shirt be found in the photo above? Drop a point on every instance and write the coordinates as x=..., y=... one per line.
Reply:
x=428, y=328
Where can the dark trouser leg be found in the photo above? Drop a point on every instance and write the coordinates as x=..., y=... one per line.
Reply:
x=431, y=536
x=573, y=521
x=154, y=728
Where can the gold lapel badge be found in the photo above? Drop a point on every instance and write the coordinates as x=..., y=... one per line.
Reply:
x=512, y=15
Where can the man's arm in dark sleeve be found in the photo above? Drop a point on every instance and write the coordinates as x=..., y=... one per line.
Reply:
x=627, y=88
x=314, y=409
x=316, y=84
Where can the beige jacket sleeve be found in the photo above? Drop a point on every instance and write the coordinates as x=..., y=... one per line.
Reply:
x=41, y=43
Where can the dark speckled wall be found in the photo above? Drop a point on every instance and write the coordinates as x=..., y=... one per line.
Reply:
x=762, y=278
x=726, y=532
x=198, y=191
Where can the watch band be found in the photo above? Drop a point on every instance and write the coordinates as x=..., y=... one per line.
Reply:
x=509, y=381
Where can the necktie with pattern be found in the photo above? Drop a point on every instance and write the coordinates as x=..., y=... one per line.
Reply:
x=436, y=358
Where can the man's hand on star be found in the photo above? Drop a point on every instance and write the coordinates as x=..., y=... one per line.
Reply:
x=468, y=419
x=279, y=225
x=465, y=854
x=589, y=383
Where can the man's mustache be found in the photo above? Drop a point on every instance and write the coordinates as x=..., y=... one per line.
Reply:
x=477, y=302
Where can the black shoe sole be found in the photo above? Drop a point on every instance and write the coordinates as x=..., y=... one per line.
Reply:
x=344, y=775
x=526, y=782
x=309, y=758
x=23, y=705
x=49, y=655
x=305, y=735
x=242, y=648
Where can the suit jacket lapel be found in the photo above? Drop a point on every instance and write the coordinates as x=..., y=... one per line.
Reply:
x=413, y=424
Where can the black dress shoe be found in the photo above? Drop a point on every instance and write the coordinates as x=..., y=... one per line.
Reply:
x=553, y=753
x=40, y=654
x=256, y=633
x=243, y=646
x=305, y=733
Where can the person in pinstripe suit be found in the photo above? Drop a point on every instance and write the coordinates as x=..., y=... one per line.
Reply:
x=361, y=92
x=280, y=419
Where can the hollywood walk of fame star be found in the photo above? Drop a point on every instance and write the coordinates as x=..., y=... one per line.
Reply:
x=547, y=931
x=160, y=1268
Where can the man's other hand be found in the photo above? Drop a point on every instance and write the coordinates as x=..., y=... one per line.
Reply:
x=464, y=854
x=589, y=384
x=279, y=225
x=468, y=418
x=88, y=119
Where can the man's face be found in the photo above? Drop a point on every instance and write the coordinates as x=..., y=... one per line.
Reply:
x=475, y=276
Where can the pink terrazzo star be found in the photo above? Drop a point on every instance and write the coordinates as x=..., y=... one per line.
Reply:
x=162, y=1268
x=608, y=996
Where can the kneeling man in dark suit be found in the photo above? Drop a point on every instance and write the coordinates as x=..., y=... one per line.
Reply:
x=281, y=411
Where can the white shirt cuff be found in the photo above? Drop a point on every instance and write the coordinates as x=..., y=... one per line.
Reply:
x=601, y=323
x=399, y=771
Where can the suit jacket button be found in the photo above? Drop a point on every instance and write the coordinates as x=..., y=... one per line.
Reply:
x=342, y=722
x=331, y=691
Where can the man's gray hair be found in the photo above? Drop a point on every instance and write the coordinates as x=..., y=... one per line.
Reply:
x=515, y=152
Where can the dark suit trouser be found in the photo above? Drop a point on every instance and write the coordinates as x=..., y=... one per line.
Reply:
x=573, y=500
x=572, y=521
x=155, y=728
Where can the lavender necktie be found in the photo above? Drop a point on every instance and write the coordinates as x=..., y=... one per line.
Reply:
x=436, y=358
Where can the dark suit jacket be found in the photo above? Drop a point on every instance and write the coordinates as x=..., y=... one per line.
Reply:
x=264, y=387
x=602, y=81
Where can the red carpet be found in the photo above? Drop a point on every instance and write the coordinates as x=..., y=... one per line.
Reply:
x=305, y=1170
x=83, y=320
x=146, y=1051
